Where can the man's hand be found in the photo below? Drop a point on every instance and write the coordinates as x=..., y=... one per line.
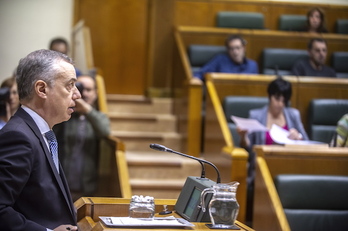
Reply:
x=82, y=107
x=65, y=228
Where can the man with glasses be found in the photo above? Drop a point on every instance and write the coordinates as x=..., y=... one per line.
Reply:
x=34, y=194
x=79, y=140
x=233, y=61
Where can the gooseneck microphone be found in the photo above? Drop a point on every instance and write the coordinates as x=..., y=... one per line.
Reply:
x=162, y=148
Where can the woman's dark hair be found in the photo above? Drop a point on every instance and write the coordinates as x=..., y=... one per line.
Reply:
x=321, y=28
x=280, y=87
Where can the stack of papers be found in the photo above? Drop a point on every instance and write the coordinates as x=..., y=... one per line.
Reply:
x=280, y=136
x=249, y=125
x=170, y=221
x=277, y=133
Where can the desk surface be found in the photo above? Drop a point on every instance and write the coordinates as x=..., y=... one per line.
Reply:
x=89, y=209
x=314, y=151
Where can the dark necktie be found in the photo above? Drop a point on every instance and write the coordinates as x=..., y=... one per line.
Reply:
x=52, y=141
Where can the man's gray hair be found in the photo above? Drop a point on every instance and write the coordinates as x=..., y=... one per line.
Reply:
x=38, y=65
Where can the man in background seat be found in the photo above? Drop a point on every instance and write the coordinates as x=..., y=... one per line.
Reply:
x=62, y=46
x=234, y=61
x=315, y=64
x=79, y=139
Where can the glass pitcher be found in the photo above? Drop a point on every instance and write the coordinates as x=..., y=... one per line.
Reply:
x=223, y=206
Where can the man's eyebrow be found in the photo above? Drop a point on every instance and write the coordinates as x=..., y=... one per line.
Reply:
x=72, y=79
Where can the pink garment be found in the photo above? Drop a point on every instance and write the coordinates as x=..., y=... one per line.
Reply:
x=269, y=140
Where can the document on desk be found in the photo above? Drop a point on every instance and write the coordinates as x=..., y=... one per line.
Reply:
x=251, y=125
x=280, y=136
x=156, y=222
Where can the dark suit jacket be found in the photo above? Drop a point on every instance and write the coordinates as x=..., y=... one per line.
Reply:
x=33, y=196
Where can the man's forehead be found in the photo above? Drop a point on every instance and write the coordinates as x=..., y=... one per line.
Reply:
x=318, y=44
x=235, y=42
x=66, y=71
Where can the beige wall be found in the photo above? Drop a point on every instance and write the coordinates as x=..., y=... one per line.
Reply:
x=29, y=25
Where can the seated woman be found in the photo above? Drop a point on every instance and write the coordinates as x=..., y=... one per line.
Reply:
x=316, y=21
x=12, y=104
x=276, y=112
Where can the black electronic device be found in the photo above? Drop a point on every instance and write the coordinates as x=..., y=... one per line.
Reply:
x=188, y=204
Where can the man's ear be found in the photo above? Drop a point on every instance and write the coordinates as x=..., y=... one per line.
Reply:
x=41, y=88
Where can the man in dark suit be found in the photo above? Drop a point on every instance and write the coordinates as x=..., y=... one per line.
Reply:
x=34, y=194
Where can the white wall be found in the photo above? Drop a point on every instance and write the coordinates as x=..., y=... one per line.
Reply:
x=28, y=25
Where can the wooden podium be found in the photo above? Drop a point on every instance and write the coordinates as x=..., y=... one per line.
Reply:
x=90, y=208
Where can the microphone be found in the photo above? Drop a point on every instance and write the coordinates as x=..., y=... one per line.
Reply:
x=162, y=148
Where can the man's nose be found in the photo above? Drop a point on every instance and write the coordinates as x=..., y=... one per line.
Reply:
x=76, y=94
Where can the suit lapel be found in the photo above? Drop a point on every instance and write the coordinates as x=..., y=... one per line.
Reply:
x=61, y=181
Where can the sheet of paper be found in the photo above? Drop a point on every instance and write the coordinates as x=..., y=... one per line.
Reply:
x=280, y=136
x=251, y=125
x=169, y=221
x=140, y=221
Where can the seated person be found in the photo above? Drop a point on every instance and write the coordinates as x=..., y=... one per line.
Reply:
x=315, y=64
x=62, y=46
x=79, y=140
x=276, y=112
x=9, y=100
x=14, y=98
x=4, y=106
x=234, y=61
x=341, y=137
x=316, y=21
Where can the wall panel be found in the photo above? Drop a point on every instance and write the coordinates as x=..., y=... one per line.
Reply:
x=119, y=41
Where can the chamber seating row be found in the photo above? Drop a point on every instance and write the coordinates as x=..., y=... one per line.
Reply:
x=253, y=20
x=274, y=60
x=300, y=188
x=323, y=115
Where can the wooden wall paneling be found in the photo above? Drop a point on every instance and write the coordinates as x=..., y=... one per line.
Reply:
x=119, y=39
x=290, y=8
x=161, y=43
x=193, y=13
x=332, y=13
x=240, y=6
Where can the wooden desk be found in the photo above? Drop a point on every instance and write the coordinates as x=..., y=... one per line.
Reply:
x=306, y=160
x=90, y=208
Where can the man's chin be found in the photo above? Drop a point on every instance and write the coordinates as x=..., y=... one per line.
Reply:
x=68, y=117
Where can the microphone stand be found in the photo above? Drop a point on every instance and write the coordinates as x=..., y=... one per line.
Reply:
x=162, y=148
